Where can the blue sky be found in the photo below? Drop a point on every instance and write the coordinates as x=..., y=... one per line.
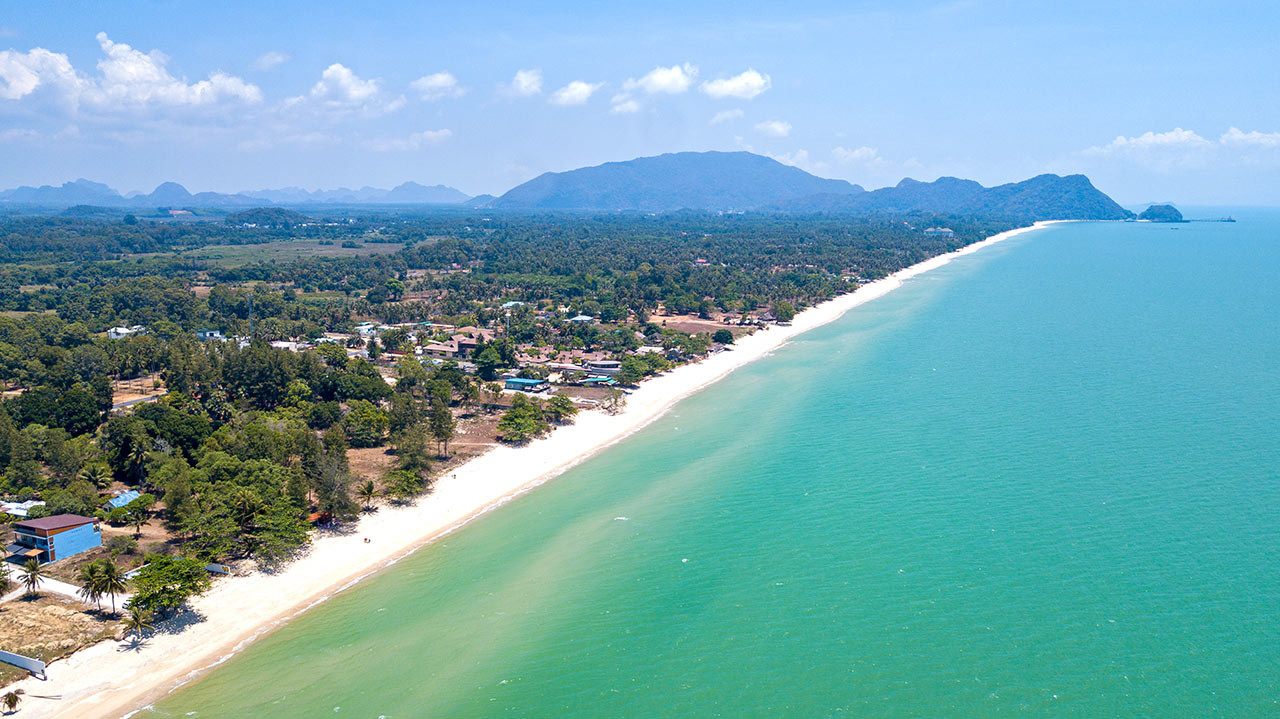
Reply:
x=1154, y=101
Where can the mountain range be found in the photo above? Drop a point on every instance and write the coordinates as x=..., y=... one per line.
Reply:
x=711, y=181
x=172, y=194
x=1044, y=197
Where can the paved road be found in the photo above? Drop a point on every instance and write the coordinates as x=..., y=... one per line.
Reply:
x=55, y=586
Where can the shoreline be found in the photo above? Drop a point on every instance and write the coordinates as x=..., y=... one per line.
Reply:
x=107, y=681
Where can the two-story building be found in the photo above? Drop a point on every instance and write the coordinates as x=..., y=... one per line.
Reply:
x=49, y=539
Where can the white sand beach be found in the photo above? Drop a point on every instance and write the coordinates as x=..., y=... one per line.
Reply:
x=111, y=679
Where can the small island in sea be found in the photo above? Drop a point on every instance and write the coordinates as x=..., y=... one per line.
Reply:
x=1161, y=213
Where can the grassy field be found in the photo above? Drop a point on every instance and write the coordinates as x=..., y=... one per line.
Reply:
x=283, y=251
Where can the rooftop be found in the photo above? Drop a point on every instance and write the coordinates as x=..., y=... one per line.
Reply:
x=57, y=521
x=123, y=498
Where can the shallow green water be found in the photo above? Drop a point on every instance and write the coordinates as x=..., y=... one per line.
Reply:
x=1043, y=480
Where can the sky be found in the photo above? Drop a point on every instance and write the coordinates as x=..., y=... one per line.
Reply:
x=1171, y=101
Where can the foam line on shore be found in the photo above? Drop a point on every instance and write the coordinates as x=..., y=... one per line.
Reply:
x=103, y=682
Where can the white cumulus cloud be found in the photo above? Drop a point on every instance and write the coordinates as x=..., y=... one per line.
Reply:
x=133, y=78
x=438, y=86
x=415, y=141
x=1180, y=149
x=1175, y=138
x=744, y=86
x=665, y=80
x=800, y=158
x=526, y=83
x=624, y=104
x=128, y=79
x=575, y=93
x=1237, y=137
x=22, y=73
x=725, y=116
x=268, y=60
x=340, y=88
x=774, y=128
x=868, y=156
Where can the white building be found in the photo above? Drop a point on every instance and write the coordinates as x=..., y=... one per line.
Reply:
x=119, y=333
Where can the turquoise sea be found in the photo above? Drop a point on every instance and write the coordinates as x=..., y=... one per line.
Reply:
x=1043, y=480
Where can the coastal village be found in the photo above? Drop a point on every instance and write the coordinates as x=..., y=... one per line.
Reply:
x=68, y=576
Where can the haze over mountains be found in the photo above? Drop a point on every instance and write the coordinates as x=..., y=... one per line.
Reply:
x=172, y=194
x=715, y=181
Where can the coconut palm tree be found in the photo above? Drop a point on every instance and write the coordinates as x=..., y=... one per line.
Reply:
x=6, y=579
x=245, y=507
x=367, y=493
x=138, y=462
x=32, y=575
x=96, y=475
x=138, y=621
x=90, y=584
x=11, y=700
x=111, y=581
x=138, y=518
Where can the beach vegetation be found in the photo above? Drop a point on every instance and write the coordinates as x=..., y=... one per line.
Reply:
x=33, y=573
x=525, y=420
x=441, y=425
x=166, y=582
x=368, y=494
x=559, y=409
x=137, y=622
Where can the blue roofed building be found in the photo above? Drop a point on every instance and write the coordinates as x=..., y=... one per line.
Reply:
x=123, y=499
x=527, y=385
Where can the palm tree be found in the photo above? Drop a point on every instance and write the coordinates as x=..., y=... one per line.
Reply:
x=111, y=581
x=367, y=493
x=32, y=575
x=6, y=580
x=11, y=700
x=138, y=462
x=96, y=475
x=90, y=584
x=138, y=621
x=245, y=507
x=138, y=517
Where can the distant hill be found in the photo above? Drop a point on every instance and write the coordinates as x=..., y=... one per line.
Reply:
x=267, y=217
x=172, y=194
x=1044, y=197
x=68, y=194
x=1161, y=213
x=412, y=192
x=409, y=193
x=683, y=180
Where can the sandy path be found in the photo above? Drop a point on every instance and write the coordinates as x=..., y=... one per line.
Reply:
x=107, y=681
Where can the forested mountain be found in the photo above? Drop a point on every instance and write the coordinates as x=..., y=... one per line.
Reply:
x=1044, y=197
x=682, y=180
